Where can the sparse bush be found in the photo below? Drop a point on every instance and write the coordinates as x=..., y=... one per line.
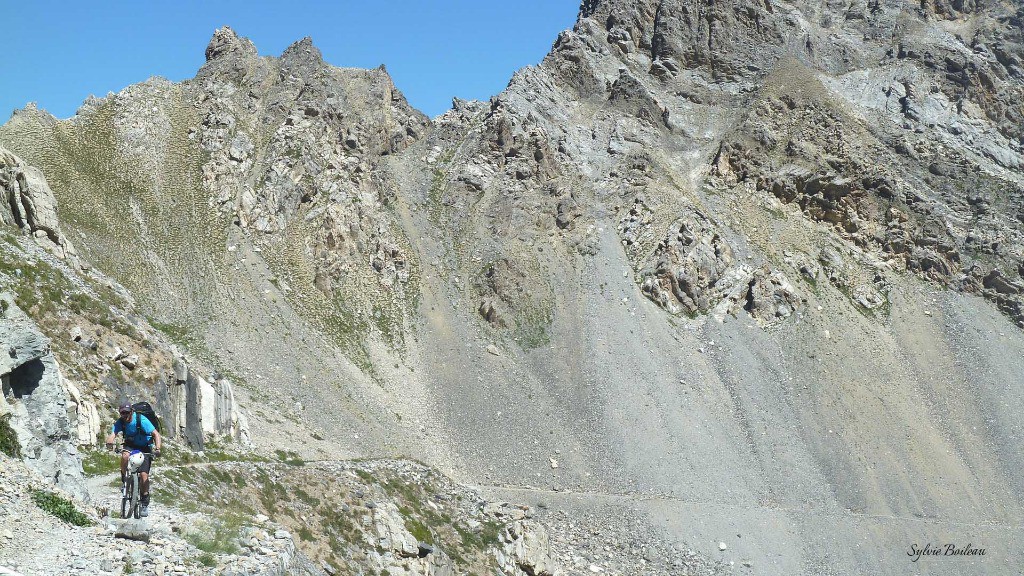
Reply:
x=222, y=540
x=290, y=458
x=418, y=530
x=306, y=534
x=490, y=534
x=306, y=497
x=8, y=438
x=177, y=333
x=60, y=507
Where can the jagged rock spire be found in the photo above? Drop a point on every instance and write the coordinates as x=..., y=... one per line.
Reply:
x=225, y=41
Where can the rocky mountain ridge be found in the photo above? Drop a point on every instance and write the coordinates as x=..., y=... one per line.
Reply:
x=646, y=269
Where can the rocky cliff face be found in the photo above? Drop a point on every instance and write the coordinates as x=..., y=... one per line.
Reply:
x=77, y=346
x=758, y=263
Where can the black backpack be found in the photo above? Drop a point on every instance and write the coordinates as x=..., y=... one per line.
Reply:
x=146, y=410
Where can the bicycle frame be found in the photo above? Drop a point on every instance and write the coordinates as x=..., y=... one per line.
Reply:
x=131, y=496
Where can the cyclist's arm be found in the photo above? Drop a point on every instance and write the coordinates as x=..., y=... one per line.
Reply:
x=113, y=432
x=157, y=441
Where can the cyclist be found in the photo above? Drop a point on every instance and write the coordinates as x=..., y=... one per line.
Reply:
x=139, y=433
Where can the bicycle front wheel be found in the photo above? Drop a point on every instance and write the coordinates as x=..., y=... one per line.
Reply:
x=126, y=498
x=136, y=506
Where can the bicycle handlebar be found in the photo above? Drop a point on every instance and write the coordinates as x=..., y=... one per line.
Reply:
x=122, y=450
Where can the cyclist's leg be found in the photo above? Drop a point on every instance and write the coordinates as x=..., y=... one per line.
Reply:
x=124, y=464
x=144, y=479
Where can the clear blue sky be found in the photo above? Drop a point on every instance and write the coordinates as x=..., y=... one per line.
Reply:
x=57, y=53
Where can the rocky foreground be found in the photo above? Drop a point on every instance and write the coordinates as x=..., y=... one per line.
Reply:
x=211, y=517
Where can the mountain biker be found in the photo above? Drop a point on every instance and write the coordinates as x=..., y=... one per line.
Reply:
x=138, y=433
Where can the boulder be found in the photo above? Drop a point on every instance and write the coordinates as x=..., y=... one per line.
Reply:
x=138, y=530
x=391, y=533
x=131, y=361
x=207, y=406
x=527, y=549
x=87, y=416
x=867, y=297
x=1001, y=284
x=770, y=296
x=490, y=313
x=189, y=415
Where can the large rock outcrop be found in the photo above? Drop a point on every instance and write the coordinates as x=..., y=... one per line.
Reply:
x=197, y=410
x=29, y=204
x=36, y=394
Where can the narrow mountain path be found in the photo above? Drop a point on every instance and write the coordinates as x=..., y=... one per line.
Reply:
x=641, y=497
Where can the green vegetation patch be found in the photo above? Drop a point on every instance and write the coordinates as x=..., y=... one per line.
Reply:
x=435, y=196
x=38, y=288
x=322, y=508
x=176, y=454
x=126, y=211
x=60, y=507
x=99, y=462
x=527, y=303
x=179, y=334
x=8, y=438
x=532, y=327
x=437, y=208
x=429, y=524
x=221, y=537
x=418, y=529
x=290, y=458
x=880, y=312
x=47, y=295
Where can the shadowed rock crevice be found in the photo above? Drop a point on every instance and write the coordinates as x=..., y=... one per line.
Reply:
x=23, y=380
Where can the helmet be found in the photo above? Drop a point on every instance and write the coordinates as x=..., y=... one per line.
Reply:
x=125, y=408
x=135, y=460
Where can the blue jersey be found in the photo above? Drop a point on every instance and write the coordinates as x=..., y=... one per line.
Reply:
x=138, y=432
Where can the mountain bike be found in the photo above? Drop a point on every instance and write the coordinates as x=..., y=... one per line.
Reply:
x=131, y=497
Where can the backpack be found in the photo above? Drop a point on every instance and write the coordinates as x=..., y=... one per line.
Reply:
x=146, y=410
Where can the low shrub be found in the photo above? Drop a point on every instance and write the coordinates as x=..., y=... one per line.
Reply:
x=290, y=458
x=219, y=538
x=8, y=438
x=60, y=507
